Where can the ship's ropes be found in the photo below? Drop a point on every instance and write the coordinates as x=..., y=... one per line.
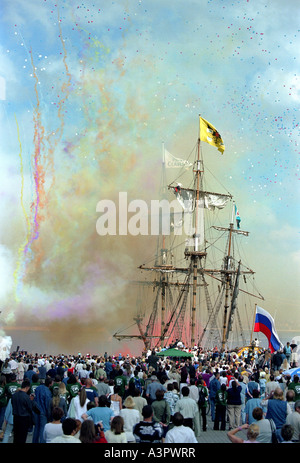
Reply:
x=153, y=316
x=211, y=335
x=240, y=326
x=177, y=316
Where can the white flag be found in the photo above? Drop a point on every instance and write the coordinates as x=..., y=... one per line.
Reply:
x=171, y=161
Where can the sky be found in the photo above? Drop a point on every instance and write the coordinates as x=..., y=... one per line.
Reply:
x=88, y=93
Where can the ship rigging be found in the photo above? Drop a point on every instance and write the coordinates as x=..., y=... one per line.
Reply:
x=196, y=294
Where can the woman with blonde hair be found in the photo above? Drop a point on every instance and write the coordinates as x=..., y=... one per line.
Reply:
x=63, y=391
x=131, y=417
x=252, y=433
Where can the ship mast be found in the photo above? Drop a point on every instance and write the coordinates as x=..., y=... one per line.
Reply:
x=227, y=290
x=195, y=255
x=163, y=258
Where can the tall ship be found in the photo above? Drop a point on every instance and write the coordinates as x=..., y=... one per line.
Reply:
x=197, y=288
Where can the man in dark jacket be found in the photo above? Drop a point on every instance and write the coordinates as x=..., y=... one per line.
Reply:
x=277, y=360
x=22, y=408
x=153, y=360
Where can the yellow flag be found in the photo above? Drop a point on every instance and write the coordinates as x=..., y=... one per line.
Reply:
x=209, y=134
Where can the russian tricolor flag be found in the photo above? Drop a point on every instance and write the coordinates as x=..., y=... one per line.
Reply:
x=265, y=324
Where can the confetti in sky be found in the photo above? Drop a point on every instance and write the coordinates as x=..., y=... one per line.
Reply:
x=89, y=91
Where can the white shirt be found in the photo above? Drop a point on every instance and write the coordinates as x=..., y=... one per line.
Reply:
x=131, y=417
x=194, y=393
x=51, y=431
x=79, y=410
x=65, y=440
x=13, y=364
x=187, y=407
x=181, y=435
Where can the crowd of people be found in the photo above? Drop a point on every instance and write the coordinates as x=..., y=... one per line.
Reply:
x=149, y=399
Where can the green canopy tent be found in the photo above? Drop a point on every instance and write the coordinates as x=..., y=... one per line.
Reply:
x=174, y=353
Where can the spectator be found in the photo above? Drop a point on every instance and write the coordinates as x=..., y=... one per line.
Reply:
x=287, y=432
x=121, y=381
x=180, y=434
x=116, y=403
x=3, y=399
x=252, y=433
x=174, y=375
x=203, y=402
x=8, y=423
x=73, y=387
x=42, y=370
x=265, y=429
x=262, y=383
x=289, y=397
x=69, y=428
x=221, y=407
x=11, y=386
x=187, y=407
x=43, y=399
x=171, y=398
x=79, y=405
x=35, y=382
x=22, y=410
x=91, y=434
x=152, y=388
x=271, y=386
x=139, y=401
x=252, y=384
x=29, y=373
x=277, y=360
x=147, y=431
x=138, y=382
x=131, y=417
x=59, y=401
x=294, y=420
x=101, y=413
x=213, y=387
x=194, y=391
x=102, y=387
x=153, y=360
x=278, y=410
x=243, y=397
x=108, y=368
x=91, y=391
x=251, y=404
x=287, y=352
x=234, y=404
x=52, y=372
x=161, y=410
x=116, y=433
x=54, y=428
x=295, y=386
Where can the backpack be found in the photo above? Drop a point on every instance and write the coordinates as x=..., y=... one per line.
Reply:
x=138, y=384
x=202, y=398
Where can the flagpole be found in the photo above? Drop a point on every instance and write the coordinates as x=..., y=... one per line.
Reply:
x=233, y=209
x=253, y=323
